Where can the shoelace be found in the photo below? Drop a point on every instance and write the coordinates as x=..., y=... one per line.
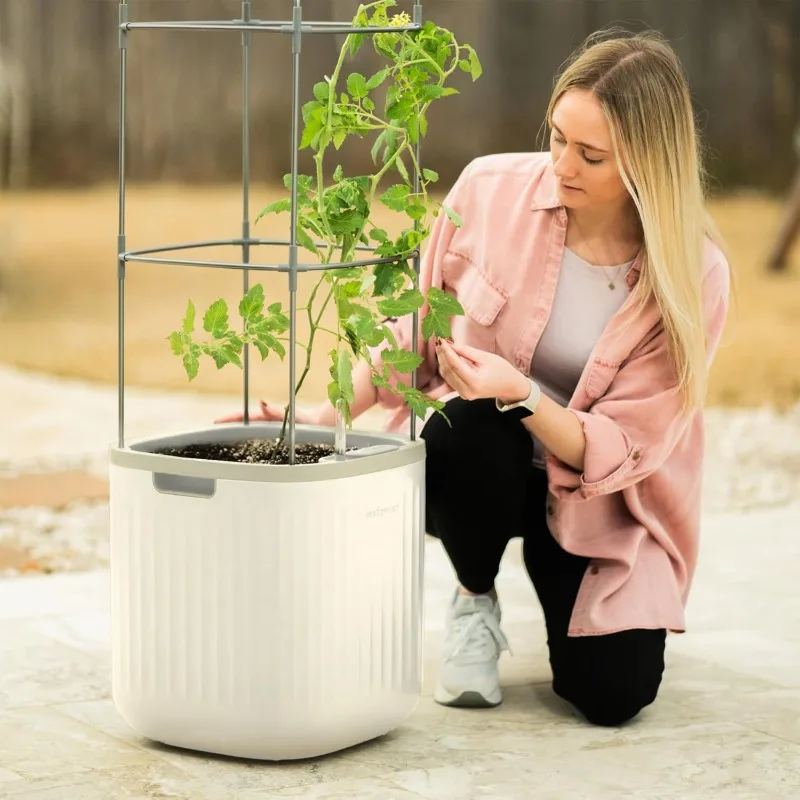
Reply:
x=475, y=634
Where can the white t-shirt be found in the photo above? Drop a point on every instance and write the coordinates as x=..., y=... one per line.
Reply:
x=583, y=305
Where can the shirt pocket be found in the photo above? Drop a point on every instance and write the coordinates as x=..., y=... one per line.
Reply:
x=601, y=374
x=482, y=302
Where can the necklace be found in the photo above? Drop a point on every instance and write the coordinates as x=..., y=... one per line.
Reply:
x=612, y=282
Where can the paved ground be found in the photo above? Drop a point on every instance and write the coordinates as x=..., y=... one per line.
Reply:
x=727, y=723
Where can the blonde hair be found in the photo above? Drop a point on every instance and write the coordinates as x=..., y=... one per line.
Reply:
x=640, y=84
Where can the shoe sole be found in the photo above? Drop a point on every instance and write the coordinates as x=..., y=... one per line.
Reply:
x=468, y=699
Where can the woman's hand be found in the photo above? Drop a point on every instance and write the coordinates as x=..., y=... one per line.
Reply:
x=274, y=413
x=476, y=374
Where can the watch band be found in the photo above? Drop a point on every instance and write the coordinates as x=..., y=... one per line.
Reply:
x=528, y=405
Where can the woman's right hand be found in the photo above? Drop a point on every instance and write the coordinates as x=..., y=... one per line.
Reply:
x=273, y=413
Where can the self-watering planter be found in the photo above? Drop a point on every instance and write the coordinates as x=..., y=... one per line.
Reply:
x=262, y=611
x=273, y=610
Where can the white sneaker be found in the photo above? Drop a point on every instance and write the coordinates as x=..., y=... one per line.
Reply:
x=468, y=675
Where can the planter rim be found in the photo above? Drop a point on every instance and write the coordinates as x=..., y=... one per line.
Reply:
x=137, y=454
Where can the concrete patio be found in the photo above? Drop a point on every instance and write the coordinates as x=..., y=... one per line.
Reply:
x=726, y=725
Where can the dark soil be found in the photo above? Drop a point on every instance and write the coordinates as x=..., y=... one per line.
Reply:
x=251, y=451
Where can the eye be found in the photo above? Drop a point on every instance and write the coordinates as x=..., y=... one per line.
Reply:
x=592, y=161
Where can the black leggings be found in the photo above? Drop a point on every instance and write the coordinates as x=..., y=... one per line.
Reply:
x=482, y=491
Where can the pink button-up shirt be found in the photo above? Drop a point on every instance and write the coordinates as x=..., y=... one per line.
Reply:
x=635, y=509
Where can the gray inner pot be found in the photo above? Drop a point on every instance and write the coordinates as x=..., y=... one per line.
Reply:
x=139, y=454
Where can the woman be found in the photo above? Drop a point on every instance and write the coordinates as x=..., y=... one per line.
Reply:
x=595, y=301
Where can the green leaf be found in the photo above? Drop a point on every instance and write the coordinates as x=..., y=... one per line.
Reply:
x=368, y=105
x=413, y=130
x=379, y=142
x=388, y=280
x=278, y=207
x=252, y=304
x=402, y=360
x=441, y=306
x=401, y=168
x=188, y=320
x=366, y=329
x=381, y=381
x=265, y=340
x=275, y=308
x=262, y=348
x=416, y=211
x=313, y=128
x=378, y=235
x=338, y=173
x=377, y=79
x=191, y=364
x=176, y=342
x=215, y=320
x=357, y=85
x=322, y=91
x=305, y=183
x=476, y=70
x=339, y=135
x=430, y=175
x=401, y=110
x=230, y=355
x=430, y=92
x=334, y=393
x=306, y=242
x=396, y=197
x=356, y=40
x=419, y=402
x=453, y=215
x=409, y=301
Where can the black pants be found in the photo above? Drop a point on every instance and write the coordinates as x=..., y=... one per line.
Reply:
x=481, y=492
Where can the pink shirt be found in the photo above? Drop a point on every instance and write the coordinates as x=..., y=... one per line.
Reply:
x=635, y=509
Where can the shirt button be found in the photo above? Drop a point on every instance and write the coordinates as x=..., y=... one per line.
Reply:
x=636, y=455
x=594, y=570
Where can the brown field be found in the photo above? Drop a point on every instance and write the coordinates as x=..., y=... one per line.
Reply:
x=58, y=291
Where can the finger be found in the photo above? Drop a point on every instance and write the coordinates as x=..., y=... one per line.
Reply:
x=462, y=368
x=470, y=353
x=229, y=418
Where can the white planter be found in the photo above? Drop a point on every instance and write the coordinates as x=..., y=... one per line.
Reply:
x=266, y=612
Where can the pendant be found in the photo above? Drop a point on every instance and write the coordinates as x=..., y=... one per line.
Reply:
x=612, y=286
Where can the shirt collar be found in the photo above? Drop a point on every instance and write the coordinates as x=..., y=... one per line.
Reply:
x=545, y=197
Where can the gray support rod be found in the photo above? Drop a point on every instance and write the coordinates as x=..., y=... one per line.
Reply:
x=297, y=38
x=123, y=75
x=417, y=19
x=246, y=16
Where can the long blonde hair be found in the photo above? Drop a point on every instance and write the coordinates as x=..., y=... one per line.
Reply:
x=640, y=84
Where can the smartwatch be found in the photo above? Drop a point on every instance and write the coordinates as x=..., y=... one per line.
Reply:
x=524, y=407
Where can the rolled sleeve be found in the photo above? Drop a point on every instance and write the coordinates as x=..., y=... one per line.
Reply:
x=634, y=427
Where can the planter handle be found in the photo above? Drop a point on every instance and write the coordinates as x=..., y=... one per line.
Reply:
x=184, y=485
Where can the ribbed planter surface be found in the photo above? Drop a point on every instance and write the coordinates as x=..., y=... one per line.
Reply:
x=266, y=612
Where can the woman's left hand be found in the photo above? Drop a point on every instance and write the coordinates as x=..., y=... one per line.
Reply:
x=476, y=374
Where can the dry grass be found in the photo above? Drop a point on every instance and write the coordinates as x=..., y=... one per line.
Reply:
x=58, y=268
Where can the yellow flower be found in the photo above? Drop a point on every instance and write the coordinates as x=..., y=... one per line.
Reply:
x=399, y=20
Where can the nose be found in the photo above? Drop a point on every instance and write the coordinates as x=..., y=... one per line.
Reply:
x=566, y=165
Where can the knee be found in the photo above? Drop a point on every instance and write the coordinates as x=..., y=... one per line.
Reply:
x=477, y=431
x=609, y=703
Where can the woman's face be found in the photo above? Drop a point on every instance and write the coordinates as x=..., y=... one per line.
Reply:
x=583, y=157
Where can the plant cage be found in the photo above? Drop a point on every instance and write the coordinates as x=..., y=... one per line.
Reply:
x=263, y=611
